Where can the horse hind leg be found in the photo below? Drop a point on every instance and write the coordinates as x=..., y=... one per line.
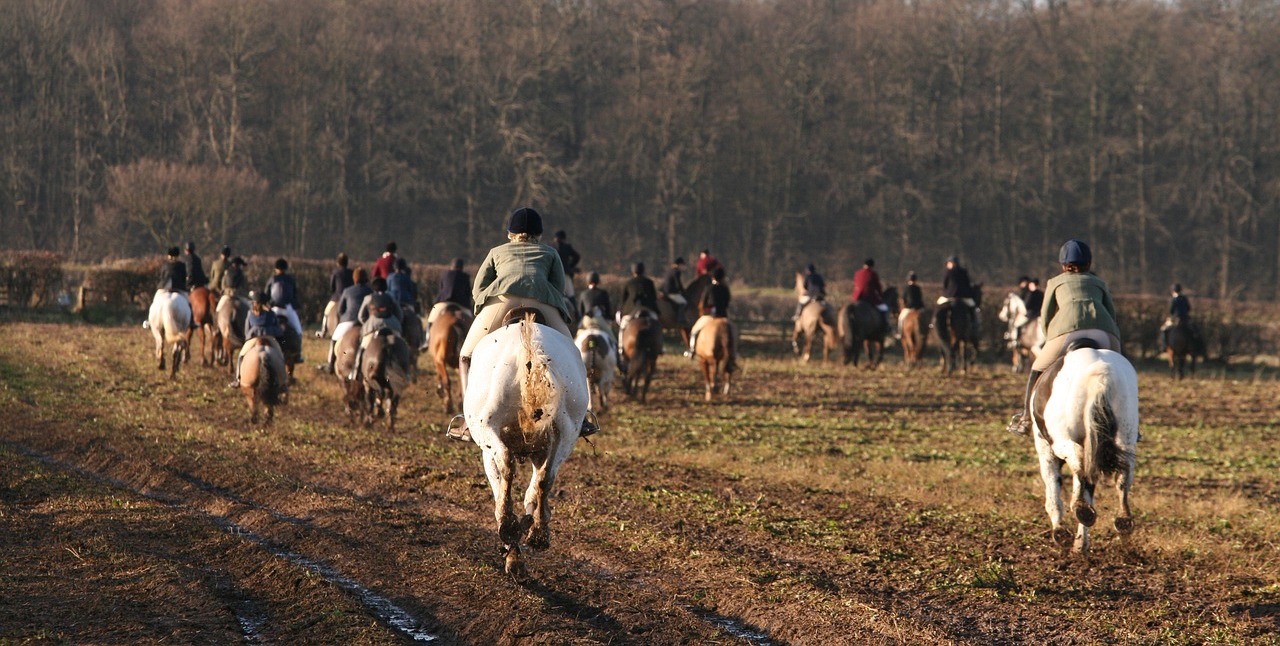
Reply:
x=1124, y=522
x=1051, y=474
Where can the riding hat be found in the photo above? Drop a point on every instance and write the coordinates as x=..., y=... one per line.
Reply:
x=955, y=260
x=911, y=275
x=1075, y=252
x=679, y=261
x=812, y=268
x=238, y=261
x=525, y=220
x=594, y=278
x=637, y=268
x=458, y=263
x=379, y=284
x=1177, y=288
x=402, y=265
x=174, y=252
x=259, y=297
x=226, y=250
x=718, y=274
x=191, y=246
x=282, y=264
x=560, y=235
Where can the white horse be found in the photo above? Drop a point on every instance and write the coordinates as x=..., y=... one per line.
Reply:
x=526, y=400
x=169, y=320
x=600, y=356
x=1023, y=335
x=1090, y=422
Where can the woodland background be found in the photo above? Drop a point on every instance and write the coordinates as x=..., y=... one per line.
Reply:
x=775, y=132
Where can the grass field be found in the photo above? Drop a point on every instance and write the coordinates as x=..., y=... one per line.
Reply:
x=819, y=504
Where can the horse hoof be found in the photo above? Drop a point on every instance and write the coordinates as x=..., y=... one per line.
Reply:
x=515, y=566
x=1086, y=515
x=1124, y=525
x=1062, y=536
x=539, y=538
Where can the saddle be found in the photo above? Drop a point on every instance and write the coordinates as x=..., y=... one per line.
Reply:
x=1044, y=384
x=518, y=314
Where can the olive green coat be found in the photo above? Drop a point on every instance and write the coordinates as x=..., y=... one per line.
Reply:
x=528, y=269
x=1077, y=302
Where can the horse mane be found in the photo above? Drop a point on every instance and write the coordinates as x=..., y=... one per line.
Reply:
x=536, y=390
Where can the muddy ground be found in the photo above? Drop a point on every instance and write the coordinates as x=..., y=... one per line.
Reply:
x=819, y=504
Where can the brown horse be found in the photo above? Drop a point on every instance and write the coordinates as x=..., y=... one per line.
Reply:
x=263, y=378
x=914, y=327
x=958, y=333
x=231, y=315
x=1183, y=348
x=641, y=344
x=386, y=373
x=447, y=333
x=203, y=306
x=863, y=327
x=715, y=351
x=413, y=335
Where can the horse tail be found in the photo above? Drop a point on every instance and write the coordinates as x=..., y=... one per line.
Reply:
x=536, y=389
x=1102, y=453
x=268, y=381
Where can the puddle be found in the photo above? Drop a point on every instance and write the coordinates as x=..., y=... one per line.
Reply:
x=733, y=626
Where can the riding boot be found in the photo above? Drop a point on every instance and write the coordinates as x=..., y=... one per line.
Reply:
x=1021, y=422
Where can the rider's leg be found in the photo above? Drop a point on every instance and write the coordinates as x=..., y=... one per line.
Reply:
x=1021, y=422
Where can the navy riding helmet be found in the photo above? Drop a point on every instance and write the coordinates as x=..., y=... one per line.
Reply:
x=1075, y=252
x=525, y=220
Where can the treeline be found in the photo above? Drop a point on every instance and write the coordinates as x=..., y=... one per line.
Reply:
x=775, y=132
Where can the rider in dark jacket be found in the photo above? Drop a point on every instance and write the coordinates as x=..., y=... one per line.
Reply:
x=401, y=287
x=173, y=274
x=594, y=298
x=639, y=292
x=195, y=271
x=261, y=323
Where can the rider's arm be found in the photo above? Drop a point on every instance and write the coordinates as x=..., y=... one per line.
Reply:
x=555, y=275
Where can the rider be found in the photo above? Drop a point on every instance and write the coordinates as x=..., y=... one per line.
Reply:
x=218, y=269
x=341, y=278
x=349, y=311
x=261, y=322
x=594, y=298
x=912, y=299
x=956, y=288
x=173, y=274
x=707, y=263
x=195, y=271
x=386, y=264
x=402, y=288
x=815, y=289
x=1033, y=301
x=455, y=289
x=1077, y=306
x=638, y=294
x=715, y=304
x=569, y=257
x=1179, y=314
x=379, y=311
x=868, y=289
x=521, y=273
x=283, y=292
x=673, y=288
x=1023, y=287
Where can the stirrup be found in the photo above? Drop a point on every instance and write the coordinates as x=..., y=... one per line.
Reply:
x=1019, y=425
x=590, y=425
x=461, y=433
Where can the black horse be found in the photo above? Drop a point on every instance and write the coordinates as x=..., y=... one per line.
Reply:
x=863, y=327
x=957, y=327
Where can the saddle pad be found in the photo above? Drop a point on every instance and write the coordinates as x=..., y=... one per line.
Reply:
x=1040, y=395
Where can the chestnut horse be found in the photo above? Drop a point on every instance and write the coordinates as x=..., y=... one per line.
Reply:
x=715, y=351
x=232, y=312
x=203, y=307
x=445, y=338
x=913, y=324
x=263, y=379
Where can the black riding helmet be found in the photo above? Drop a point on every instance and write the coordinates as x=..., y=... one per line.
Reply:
x=259, y=297
x=525, y=220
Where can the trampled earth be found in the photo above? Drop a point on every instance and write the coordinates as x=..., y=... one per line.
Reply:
x=819, y=504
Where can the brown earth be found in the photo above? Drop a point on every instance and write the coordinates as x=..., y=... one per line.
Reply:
x=818, y=505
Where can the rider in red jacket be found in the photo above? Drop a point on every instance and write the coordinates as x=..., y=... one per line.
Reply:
x=868, y=289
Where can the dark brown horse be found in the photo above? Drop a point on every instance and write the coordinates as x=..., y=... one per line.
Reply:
x=203, y=306
x=715, y=351
x=862, y=327
x=447, y=333
x=641, y=344
x=386, y=373
x=958, y=332
x=674, y=318
x=1184, y=347
x=913, y=325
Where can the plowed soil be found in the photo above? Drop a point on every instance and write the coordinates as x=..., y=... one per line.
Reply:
x=817, y=504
